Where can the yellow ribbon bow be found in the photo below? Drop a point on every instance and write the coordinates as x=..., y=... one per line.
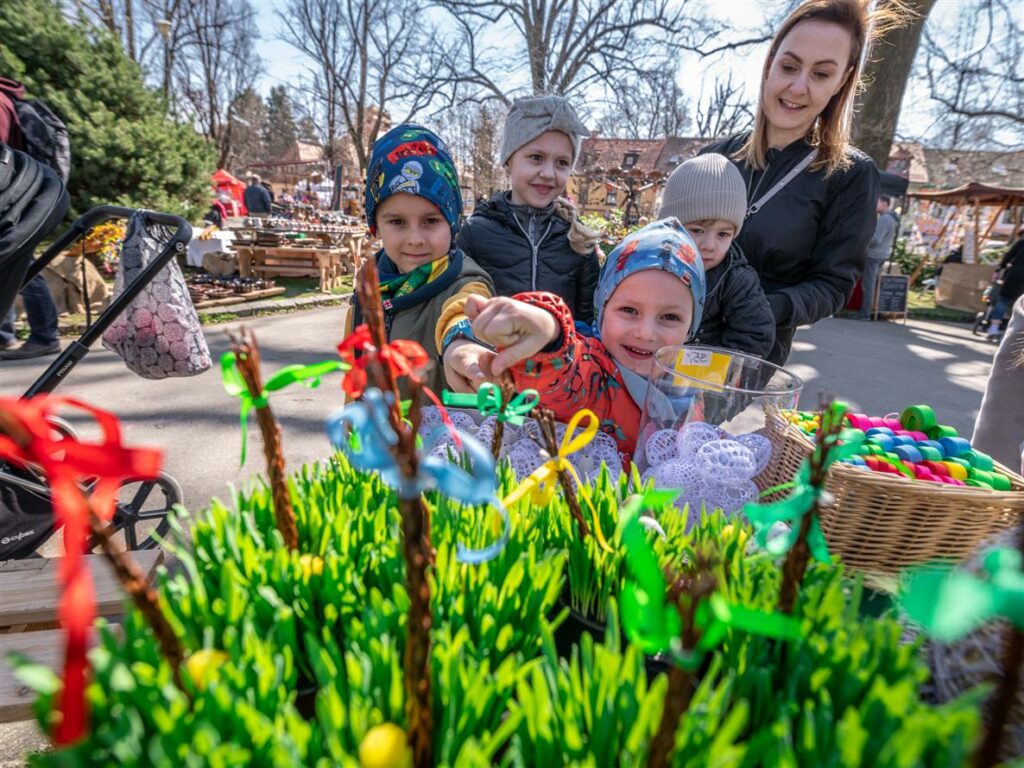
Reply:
x=541, y=484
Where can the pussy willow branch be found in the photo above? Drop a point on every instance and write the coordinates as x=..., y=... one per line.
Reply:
x=247, y=357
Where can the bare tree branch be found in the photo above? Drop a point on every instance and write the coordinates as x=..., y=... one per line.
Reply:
x=217, y=65
x=564, y=45
x=725, y=111
x=368, y=60
x=647, y=105
x=974, y=75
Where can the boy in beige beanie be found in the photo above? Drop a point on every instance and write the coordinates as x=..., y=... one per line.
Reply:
x=708, y=196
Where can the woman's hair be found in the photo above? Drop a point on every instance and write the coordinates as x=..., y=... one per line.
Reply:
x=831, y=131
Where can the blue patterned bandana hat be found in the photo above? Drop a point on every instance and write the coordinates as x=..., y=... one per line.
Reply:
x=663, y=245
x=411, y=159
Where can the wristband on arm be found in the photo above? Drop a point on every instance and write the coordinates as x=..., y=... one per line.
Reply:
x=461, y=330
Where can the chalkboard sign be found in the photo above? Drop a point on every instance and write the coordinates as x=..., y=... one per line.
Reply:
x=892, y=295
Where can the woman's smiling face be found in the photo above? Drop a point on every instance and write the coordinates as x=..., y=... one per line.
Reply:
x=810, y=66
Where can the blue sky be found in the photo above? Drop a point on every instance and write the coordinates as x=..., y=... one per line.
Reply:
x=285, y=65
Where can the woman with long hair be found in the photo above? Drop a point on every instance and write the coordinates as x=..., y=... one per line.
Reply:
x=811, y=195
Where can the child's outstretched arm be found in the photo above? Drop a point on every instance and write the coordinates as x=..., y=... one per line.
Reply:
x=517, y=329
x=467, y=364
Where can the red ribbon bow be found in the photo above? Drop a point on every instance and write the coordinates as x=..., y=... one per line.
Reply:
x=401, y=356
x=66, y=462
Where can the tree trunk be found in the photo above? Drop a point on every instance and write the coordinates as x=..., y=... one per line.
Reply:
x=129, y=29
x=886, y=75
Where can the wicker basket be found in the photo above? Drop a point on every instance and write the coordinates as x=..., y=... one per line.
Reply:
x=880, y=523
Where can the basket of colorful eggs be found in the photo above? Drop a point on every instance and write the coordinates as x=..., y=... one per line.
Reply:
x=915, y=492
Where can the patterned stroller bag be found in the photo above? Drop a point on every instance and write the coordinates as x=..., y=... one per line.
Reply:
x=159, y=335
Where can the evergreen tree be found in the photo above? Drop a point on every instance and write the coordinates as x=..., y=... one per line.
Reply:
x=279, y=133
x=125, y=150
x=306, y=129
x=247, y=122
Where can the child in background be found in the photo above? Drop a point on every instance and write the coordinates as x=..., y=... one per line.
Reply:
x=708, y=195
x=529, y=238
x=413, y=204
x=639, y=309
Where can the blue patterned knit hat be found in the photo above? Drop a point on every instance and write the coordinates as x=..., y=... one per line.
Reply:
x=663, y=245
x=411, y=159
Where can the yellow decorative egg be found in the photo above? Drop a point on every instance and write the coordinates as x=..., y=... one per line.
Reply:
x=311, y=565
x=741, y=539
x=202, y=665
x=385, y=746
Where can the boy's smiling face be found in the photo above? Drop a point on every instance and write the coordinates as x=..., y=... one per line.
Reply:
x=713, y=238
x=649, y=310
x=413, y=231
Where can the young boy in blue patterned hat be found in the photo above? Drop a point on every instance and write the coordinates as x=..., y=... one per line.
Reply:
x=413, y=204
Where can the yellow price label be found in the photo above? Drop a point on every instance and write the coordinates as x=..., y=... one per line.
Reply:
x=705, y=369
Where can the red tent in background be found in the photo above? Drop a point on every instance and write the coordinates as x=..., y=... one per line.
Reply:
x=235, y=188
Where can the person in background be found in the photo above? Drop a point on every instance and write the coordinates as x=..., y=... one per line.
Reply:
x=810, y=194
x=999, y=428
x=1012, y=269
x=879, y=251
x=44, y=338
x=256, y=197
x=706, y=193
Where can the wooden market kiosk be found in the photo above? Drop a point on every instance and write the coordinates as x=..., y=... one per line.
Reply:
x=962, y=285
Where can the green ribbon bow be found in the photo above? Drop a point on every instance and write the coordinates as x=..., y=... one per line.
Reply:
x=950, y=604
x=834, y=446
x=654, y=625
x=488, y=402
x=235, y=385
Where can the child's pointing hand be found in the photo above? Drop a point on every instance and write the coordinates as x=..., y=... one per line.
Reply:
x=517, y=330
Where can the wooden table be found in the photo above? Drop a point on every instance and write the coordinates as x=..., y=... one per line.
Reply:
x=354, y=241
x=28, y=617
x=325, y=263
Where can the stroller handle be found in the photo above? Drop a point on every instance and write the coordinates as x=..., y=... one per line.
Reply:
x=101, y=213
x=77, y=350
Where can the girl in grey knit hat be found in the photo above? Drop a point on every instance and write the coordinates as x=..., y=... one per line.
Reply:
x=528, y=237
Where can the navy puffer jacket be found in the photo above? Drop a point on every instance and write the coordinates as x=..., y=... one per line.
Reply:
x=498, y=239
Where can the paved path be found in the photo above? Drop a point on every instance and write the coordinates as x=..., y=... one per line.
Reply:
x=877, y=367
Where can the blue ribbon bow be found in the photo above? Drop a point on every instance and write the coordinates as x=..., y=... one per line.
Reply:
x=368, y=420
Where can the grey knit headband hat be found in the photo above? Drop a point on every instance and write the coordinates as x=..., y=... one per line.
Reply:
x=532, y=116
x=705, y=187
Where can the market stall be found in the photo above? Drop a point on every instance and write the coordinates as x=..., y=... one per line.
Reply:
x=273, y=247
x=975, y=209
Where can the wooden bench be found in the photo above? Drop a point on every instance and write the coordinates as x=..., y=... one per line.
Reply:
x=28, y=617
x=325, y=263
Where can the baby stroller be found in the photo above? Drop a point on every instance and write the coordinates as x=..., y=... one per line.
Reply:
x=32, y=202
x=982, y=320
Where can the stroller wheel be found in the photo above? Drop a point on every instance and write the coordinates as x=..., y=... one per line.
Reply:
x=980, y=321
x=141, y=512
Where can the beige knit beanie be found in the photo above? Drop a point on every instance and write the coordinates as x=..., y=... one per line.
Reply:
x=535, y=115
x=705, y=187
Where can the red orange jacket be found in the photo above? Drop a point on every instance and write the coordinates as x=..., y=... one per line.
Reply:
x=579, y=374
